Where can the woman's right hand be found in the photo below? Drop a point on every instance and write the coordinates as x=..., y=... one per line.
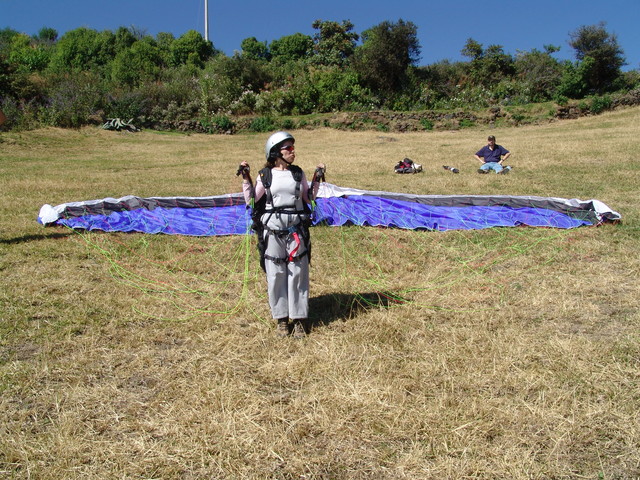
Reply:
x=245, y=170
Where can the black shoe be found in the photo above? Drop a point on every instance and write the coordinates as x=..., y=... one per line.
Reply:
x=282, y=329
x=299, y=330
x=482, y=171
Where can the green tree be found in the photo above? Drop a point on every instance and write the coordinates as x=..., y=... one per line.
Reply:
x=441, y=80
x=496, y=64
x=292, y=47
x=574, y=83
x=472, y=49
x=339, y=89
x=17, y=61
x=124, y=39
x=539, y=72
x=191, y=48
x=74, y=99
x=47, y=36
x=248, y=74
x=254, y=49
x=334, y=42
x=387, y=51
x=6, y=36
x=28, y=56
x=142, y=62
x=593, y=41
x=164, y=40
x=230, y=84
x=83, y=49
x=488, y=66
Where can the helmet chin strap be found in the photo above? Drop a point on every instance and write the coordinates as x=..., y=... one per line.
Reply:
x=282, y=158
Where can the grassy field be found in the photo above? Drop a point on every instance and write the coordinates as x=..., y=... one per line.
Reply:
x=500, y=353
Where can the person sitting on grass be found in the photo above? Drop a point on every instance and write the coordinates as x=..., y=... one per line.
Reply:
x=491, y=157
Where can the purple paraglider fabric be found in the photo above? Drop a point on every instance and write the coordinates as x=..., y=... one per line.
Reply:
x=335, y=206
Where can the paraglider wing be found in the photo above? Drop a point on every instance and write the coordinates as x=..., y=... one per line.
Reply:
x=336, y=206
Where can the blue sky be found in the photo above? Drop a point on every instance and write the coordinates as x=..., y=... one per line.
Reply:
x=443, y=26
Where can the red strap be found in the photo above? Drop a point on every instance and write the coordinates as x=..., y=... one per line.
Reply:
x=292, y=255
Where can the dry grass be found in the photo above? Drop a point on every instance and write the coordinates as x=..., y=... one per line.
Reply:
x=505, y=353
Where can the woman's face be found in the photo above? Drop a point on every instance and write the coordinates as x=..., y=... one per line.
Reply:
x=288, y=152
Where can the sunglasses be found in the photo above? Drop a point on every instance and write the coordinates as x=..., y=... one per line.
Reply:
x=288, y=148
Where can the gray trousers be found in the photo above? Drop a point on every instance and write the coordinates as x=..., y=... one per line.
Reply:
x=287, y=282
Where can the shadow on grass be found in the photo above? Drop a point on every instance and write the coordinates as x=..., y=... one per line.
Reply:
x=326, y=309
x=32, y=238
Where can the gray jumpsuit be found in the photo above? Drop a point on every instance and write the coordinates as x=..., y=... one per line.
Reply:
x=288, y=276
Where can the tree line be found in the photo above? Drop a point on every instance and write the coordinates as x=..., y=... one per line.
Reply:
x=86, y=76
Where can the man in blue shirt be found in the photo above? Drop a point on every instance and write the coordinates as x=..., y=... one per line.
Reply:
x=491, y=157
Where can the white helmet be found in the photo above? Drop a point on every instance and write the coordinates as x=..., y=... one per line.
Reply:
x=274, y=140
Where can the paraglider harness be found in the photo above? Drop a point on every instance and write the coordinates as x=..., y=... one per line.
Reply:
x=407, y=166
x=300, y=231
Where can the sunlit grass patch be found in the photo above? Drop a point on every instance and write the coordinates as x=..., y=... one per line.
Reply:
x=497, y=353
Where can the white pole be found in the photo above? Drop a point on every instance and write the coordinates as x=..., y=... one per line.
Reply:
x=206, y=20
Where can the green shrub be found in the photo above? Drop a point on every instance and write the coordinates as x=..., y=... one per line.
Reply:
x=275, y=102
x=304, y=96
x=223, y=122
x=402, y=103
x=217, y=92
x=75, y=101
x=561, y=100
x=21, y=116
x=245, y=104
x=262, y=124
x=166, y=117
x=511, y=92
x=27, y=56
x=518, y=117
x=468, y=97
x=600, y=104
x=176, y=98
x=426, y=124
x=133, y=105
x=218, y=124
x=287, y=124
x=574, y=80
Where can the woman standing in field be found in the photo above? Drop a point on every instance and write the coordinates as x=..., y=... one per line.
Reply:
x=280, y=198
